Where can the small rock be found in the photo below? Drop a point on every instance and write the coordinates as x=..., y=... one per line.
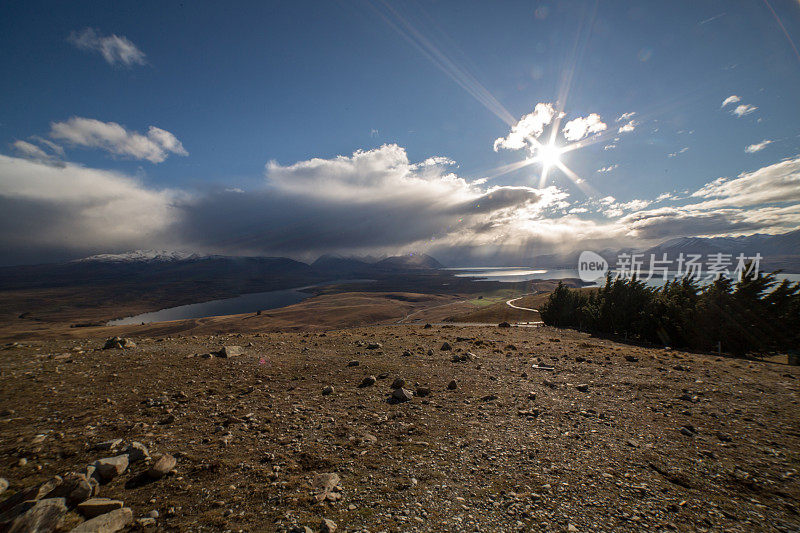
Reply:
x=503, y=325
x=368, y=381
x=532, y=396
x=446, y=347
x=75, y=488
x=427, y=326
x=230, y=351
x=162, y=466
x=106, y=523
x=3, y=485
x=327, y=390
x=118, y=343
x=631, y=359
x=489, y=398
x=148, y=521
x=107, y=445
x=328, y=526
x=110, y=467
x=452, y=385
x=153, y=514
x=724, y=437
x=353, y=363
x=136, y=451
x=398, y=383
x=97, y=506
x=374, y=346
x=687, y=430
x=423, y=391
x=402, y=395
x=583, y=387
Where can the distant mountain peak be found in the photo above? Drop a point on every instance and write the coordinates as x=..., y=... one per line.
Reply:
x=142, y=256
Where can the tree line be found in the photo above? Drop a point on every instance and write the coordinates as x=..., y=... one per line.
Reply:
x=755, y=314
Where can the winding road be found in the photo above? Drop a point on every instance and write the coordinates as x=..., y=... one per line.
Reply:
x=510, y=304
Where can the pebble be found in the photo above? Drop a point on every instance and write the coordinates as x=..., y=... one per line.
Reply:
x=327, y=390
x=452, y=385
x=398, y=383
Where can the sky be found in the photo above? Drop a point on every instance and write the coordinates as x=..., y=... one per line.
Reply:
x=479, y=132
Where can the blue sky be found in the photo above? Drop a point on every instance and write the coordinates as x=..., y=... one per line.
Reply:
x=239, y=86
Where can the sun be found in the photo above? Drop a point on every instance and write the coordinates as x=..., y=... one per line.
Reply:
x=549, y=155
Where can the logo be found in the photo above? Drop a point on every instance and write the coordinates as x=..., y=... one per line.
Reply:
x=591, y=266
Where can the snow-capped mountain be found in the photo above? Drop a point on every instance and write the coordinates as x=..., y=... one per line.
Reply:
x=144, y=256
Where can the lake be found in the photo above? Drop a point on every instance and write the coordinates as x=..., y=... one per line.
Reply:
x=246, y=303
x=517, y=274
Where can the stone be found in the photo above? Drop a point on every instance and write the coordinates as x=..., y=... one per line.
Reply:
x=374, y=346
x=136, y=451
x=427, y=326
x=118, y=343
x=368, y=381
x=402, y=395
x=631, y=359
x=503, y=325
x=107, y=523
x=353, y=363
x=327, y=390
x=148, y=521
x=532, y=396
x=325, y=484
x=230, y=351
x=687, y=430
x=583, y=387
x=422, y=392
x=110, y=467
x=398, y=383
x=489, y=398
x=453, y=385
x=3, y=485
x=327, y=526
x=446, y=347
x=161, y=466
x=107, y=445
x=45, y=515
x=75, y=488
x=724, y=437
x=97, y=506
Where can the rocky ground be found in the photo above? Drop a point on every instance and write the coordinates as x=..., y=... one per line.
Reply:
x=509, y=429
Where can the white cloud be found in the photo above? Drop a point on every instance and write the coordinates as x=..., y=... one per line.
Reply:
x=626, y=116
x=32, y=152
x=681, y=151
x=578, y=128
x=607, y=169
x=777, y=183
x=629, y=127
x=115, y=49
x=753, y=148
x=530, y=125
x=744, y=109
x=732, y=99
x=609, y=146
x=115, y=139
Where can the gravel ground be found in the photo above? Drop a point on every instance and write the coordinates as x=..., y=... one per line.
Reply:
x=613, y=438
